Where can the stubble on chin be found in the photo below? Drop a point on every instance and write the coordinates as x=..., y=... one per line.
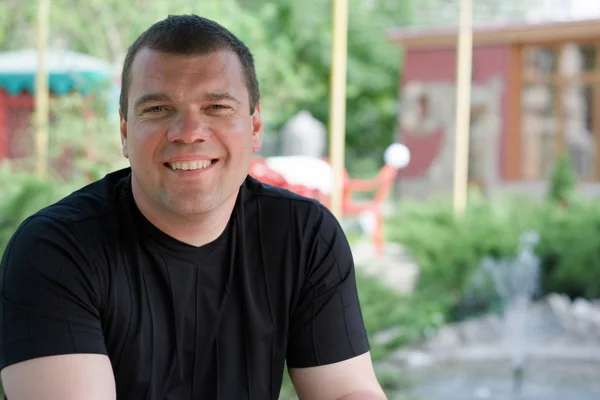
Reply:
x=187, y=203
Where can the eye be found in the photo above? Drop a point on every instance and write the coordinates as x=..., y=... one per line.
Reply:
x=218, y=107
x=155, y=109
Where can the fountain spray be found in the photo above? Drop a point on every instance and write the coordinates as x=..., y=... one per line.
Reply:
x=516, y=282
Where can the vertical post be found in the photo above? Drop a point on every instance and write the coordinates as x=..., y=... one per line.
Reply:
x=464, y=56
x=337, y=105
x=596, y=117
x=561, y=87
x=42, y=95
x=514, y=162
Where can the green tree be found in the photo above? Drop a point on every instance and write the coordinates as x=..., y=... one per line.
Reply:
x=373, y=64
x=563, y=181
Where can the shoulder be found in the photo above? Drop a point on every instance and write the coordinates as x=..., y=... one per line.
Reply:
x=288, y=207
x=263, y=192
x=280, y=212
x=40, y=249
x=96, y=200
x=68, y=226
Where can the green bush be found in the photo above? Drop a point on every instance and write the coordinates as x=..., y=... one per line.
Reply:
x=449, y=249
x=23, y=194
x=407, y=318
x=563, y=180
x=570, y=249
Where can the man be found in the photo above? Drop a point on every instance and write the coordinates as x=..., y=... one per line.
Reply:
x=182, y=277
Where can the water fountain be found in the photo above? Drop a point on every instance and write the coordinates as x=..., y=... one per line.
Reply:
x=523, y=352
x=516, y=282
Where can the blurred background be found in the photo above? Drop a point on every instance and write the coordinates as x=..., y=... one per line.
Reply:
x=496, y=301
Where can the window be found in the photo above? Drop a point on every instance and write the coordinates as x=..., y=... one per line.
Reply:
x=560, y=102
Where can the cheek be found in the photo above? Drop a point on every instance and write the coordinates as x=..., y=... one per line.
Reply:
x=143, y=142
x=241, y=145
x=237, y=137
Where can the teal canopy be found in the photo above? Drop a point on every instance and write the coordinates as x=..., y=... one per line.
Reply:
x=67, y=71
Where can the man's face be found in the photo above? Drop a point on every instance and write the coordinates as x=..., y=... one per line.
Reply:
x=189, y=134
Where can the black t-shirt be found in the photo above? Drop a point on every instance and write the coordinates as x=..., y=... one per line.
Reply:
x=90, y=274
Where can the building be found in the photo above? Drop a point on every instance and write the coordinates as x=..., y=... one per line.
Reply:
x=68, y=72
x=536, y=92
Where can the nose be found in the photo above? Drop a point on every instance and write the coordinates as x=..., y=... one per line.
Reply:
x=188, y=127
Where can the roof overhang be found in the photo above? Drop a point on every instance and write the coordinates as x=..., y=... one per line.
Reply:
x=523, y=33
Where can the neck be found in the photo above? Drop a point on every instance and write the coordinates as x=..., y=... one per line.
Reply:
x=195, y=230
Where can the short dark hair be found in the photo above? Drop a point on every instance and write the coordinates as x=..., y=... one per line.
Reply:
x=190, y=35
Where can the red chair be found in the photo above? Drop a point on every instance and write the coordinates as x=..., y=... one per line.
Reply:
x=396, y=157
x=382, y=184
x=261, y=171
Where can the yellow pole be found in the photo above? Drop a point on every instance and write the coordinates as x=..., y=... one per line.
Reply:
x=337, y=104
x=42, y=96
x=464, y=57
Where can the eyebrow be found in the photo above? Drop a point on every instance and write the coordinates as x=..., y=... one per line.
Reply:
x=220, y=96
x=148, y=98
x=157, y=97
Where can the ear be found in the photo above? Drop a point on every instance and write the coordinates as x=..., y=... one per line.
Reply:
x=123, y=129
x=257, y=129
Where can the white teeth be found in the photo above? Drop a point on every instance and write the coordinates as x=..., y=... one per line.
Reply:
x=187, y=166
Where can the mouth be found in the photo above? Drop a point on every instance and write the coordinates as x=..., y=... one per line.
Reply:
x=198, y=165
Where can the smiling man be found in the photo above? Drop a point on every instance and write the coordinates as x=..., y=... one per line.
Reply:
x=182, y=277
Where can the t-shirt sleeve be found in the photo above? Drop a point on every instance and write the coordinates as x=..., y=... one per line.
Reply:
x=48, y=295
x=326, y=323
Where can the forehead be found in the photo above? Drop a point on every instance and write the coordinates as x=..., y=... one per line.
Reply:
x=179, y=74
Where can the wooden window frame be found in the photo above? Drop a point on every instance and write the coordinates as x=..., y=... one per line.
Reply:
x=517, y=80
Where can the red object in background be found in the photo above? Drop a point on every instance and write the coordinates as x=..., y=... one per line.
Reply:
x=16, y=113
x=3, y=130
x=382, y=184
x=424, y=150
x=260, y=171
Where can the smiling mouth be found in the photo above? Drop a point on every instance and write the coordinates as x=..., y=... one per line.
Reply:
x=191, y=165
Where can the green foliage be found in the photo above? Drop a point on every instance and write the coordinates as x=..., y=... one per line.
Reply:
x=449, y=249
x=4, y=18
x=570, y=248
x=84, y=144
x=383, y=309
x=22, y=195
x=403, y=319
x=563, y=180
x=373, y=67
x=82, y=148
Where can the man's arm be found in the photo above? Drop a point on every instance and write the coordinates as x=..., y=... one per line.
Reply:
x=64, y=377
x=353, y=379
x=51, y=341
x=328, y=349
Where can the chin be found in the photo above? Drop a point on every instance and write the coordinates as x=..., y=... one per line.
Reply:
x=200, y=206
x=197, y=201
x=190, y=203
x=190, y=210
